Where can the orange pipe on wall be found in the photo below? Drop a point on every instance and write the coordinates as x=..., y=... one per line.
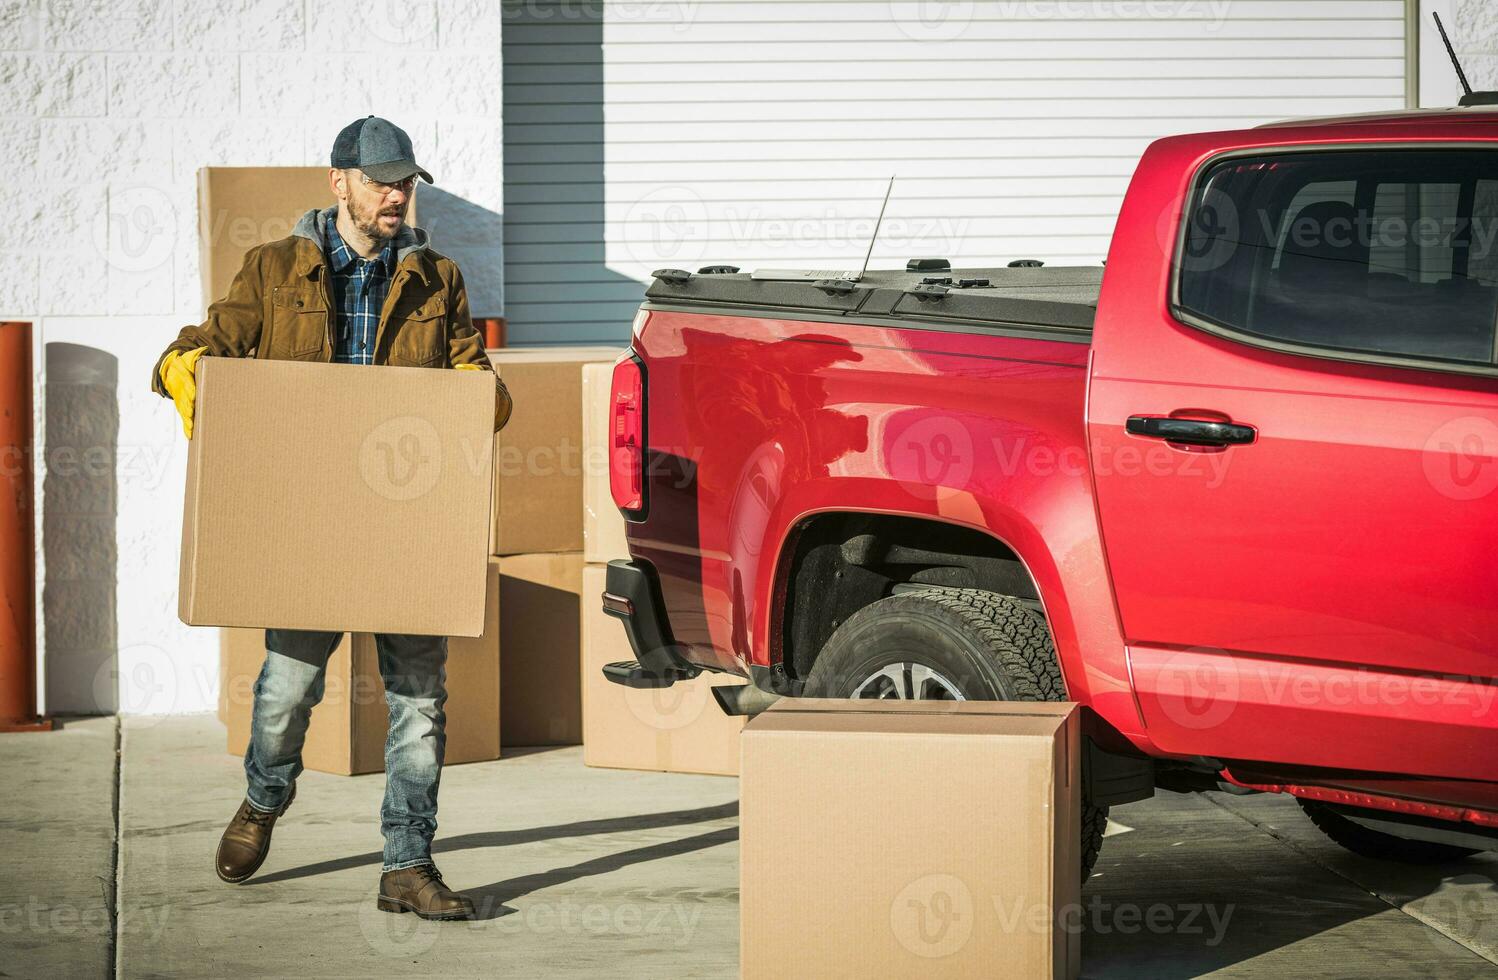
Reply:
x=492, y=328
x=17, y=536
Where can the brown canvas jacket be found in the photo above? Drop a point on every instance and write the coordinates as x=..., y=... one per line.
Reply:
x=280, y=306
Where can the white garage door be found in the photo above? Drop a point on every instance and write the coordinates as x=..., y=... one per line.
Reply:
x=759, y=134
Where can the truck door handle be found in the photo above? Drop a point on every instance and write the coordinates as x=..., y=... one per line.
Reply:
x=1191, y=432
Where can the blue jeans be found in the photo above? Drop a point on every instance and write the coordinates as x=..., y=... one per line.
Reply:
x=291, y=684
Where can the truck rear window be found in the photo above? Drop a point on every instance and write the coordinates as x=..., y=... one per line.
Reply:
x=1376, y=251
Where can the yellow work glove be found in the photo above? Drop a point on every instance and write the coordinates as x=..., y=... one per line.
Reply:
x=501, y=412
x=177, y=375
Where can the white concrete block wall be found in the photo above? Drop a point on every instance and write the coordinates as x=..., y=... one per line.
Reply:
x=108, y=108
x=1474, y=30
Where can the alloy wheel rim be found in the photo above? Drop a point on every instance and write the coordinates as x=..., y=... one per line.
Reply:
x=907, y=681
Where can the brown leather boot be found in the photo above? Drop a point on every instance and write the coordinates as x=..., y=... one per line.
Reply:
x=246, y=841
x=422, y=890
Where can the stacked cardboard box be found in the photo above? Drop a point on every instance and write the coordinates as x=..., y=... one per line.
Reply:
x=945, y=834
x=537, y=532
x=538, y=456
x=556, y=527
x=540, y=595
x=675, y=729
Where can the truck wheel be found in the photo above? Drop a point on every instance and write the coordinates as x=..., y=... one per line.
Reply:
x=1376, y=844
x=948, y=645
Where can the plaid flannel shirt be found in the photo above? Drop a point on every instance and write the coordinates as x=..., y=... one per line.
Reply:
x=359, y=289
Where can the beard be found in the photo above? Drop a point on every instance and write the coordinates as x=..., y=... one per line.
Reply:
x=367, y=219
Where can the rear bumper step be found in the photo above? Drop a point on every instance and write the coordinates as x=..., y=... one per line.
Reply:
x=632, y=595
x=631, y=673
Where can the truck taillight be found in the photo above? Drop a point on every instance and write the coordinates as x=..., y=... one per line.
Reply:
x=627, y=436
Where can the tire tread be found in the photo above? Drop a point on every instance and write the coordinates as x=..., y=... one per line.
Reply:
x=1018, y=637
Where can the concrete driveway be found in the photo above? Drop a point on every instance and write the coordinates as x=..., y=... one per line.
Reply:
x=586, y=872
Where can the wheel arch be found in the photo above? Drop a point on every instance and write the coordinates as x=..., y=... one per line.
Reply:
x=833, y=563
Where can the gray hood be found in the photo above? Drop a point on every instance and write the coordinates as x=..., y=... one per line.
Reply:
x=408, y=240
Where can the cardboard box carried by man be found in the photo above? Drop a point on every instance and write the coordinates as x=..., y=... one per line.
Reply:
x=336, y=484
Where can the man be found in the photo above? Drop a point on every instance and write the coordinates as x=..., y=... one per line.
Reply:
x=352, y=284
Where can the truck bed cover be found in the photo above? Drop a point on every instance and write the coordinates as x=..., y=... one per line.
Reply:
x=1061, y=298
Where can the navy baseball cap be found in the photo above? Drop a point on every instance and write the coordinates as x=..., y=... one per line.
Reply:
x=378, y=147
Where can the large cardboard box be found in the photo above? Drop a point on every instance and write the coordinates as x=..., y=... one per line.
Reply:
x=538, y=456
x=347, y=731
x=337, y=497
x=241, y=207
x=604, y=537
x=540, y=648
x=930, y=839
x=671, y=729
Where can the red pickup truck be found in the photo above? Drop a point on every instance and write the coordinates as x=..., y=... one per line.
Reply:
x=1235, y=491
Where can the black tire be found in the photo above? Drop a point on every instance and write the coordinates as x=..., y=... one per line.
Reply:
x=981, y=646
x=1375, y=844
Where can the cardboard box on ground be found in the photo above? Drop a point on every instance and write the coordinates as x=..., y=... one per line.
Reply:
x=541, y=467
x=675, y=729
x=337, y=497
x=347, y=731
x=539, y=648
x=945, y=835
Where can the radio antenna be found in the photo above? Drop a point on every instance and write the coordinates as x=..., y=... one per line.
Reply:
x=1461, y=76
x=875, y=236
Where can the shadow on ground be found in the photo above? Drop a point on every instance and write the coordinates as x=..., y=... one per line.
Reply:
x=489, y=900
x=1193, y=887
x=580, y=828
